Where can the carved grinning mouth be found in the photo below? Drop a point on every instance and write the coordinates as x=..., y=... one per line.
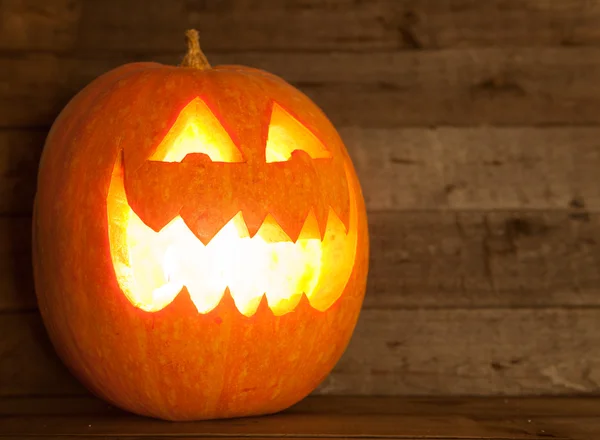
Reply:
x=153, y=267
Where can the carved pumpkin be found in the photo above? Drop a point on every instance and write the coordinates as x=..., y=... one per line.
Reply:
x=200, y=240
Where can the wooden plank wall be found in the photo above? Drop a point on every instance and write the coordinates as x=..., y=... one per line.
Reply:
x=474, y=126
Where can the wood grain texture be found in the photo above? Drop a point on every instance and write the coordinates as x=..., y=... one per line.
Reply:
x=393, y=352
x=513, y=431
x=440, y=259
x=478, y=259
x=470, y=352
x=20, y=153
x=308, y=25
x=413, y=168
x=476, y=168
x=478, y=408
x=446, y=418
x=519, y=87
x=495, y=433
x=281, y=425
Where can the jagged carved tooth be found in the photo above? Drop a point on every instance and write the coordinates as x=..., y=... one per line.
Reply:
x=303, y=303
x=164, y=295
x=263, y=308
x=254, y=221
x=145, y=195
x=207, y=224
x=205, y=298
x=282, y=306
x=321, y=213
x=311, y=228
x=334, y=222
x=246, y=301
x=227, y=304
x=343, y=215
x=271, y=231
x=291, y=223
x=341, y=204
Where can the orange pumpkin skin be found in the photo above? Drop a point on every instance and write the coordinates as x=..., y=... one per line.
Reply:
x=176, y=363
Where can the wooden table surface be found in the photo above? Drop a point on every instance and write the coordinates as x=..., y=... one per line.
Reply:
x=319, y=417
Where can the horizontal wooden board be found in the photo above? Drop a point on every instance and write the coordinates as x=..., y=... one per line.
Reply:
x=584, y=428
x=475, y=259
x=484, y=168
x=452, y=87
x=440, y=259
x=495, y=434
x=393, y=352
x=310, y=25
x=504, y=418
x=283, y=425
x=478, y=408
x=476, y=168
x=470, y=352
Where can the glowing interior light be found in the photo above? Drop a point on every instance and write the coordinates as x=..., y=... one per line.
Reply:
x=153, y=267
x=287, y=134
x=197, y=130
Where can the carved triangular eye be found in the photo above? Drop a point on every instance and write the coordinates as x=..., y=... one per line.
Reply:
x=197, y=130
x=287, y=134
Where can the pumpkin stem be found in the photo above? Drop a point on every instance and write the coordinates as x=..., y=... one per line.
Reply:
x=194, y=57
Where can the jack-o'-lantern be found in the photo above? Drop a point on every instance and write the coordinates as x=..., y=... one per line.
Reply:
x=200, y=240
